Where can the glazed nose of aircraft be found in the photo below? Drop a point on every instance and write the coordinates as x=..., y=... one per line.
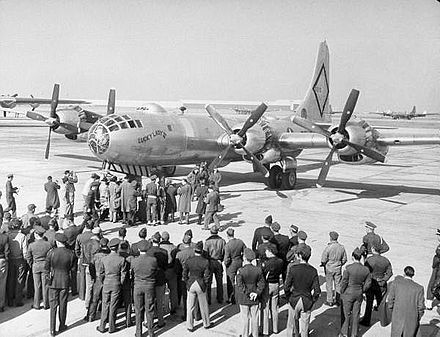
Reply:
x=98, y=138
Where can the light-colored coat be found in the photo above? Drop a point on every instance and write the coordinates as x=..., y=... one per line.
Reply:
x=407, y=301
x=185, y=193
x=129, y=196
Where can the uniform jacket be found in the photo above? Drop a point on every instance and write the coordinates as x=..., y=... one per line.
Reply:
x=212, y=201
x=283, y=244
x=184, y=253
x=200, y=194
x=302, y=282
x=96, y=264
x=89, y=250
x=80, y=243
x=407, y=302
x=291, y=253
x=52, y=198
x=150, y=190
x=185, y=193
x=4, y=246
x=50, y=237
x=134, y=250
x=333, y=256
x=196, y=269
x=272, y=269
x=215, y=247
x=72, y=233
x=355, y=280
x=171, y=252
x=261, y=250
x=10, y=190
x=380, y=268
x=161, y=256
x=113, y=270
x=59, y=261
x=144, y=270
x=17, y=245
x=234, y=250
x=259, y=232
x=37, y=252
x=371, y=239
x=250, y=279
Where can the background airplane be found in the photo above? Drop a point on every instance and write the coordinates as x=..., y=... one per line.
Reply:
x=137, y=143
x=403, y=115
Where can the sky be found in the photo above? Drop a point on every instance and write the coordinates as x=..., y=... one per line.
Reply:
x=223, y=50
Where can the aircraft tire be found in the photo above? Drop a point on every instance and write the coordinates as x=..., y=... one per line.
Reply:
x=275, y=177
x=288, y=180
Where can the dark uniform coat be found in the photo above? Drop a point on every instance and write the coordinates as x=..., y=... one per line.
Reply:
x=196, y=269
x=302, y=282
x=52, y=198
x=200, y=194
x=407, y=301
x=250, y=279
x=59, y=261
x=259, y=232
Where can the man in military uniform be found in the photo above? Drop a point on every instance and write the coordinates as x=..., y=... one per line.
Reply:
x=36, y=258
x=212, y=202
x=17, y=265
x=112, y=274
x=80, y=243
x=196, y=276
x=161, y=256
x=260, y=231
x=4, y=257
x=88, y=250
x=126, y=288
x=150, y=194
x=293, y=236
x=59, y=261
x=266, y=244
x=134, y=250
x=49, y=235
x=10, y=198
x=170, y=271
x=185, y=251
x=381, y=271
x=234, y=250
x=283, y=245
x=291, y=254
x=144, y=270
x=371, y=238
x=215, y=249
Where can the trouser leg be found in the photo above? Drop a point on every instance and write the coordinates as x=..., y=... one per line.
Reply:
x=89, y=287
x=338, y=280
x=347, y=305
x=139, y=307
x=203, y=305
x=54, y=302
x=106, y=294
x=73, y=279
x=11, y=281
x=369, y=306
x=160, y=300
x=216, y=219
x=114, y=299
x=218, y=272
x=38, y=288
x=21, y=279
x=329, y=286
x=97, y=295
x=63, y=306
x=3, y=279
x=171, y=278
x=355, y=317
x=126, y=294
x=305, y=320
x=190, y=307
x=274, y=296
x=149, y=309
x=29, y=281
x=208, y=218
x=254, y=319
x=245, y=313
x=266, y=309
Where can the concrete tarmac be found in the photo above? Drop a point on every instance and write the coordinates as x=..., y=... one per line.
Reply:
x=402, y=197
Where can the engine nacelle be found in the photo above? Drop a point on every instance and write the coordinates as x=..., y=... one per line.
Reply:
x=358, y=132
x=254, y=139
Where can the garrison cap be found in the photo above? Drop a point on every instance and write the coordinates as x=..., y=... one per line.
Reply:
x=334, y=235
x=370, y=225
x=275, y=226
x=165, y=236
x=143, y=246
x=60, y=237
x=268, y=219
x=156, y=237
x=199, y=247
x=302, y=235
x=294, y=228
x=114, y=242
x=214, y=230
x=249, y=254
x=230, y=231
x=96, y=230
x=40, y=230
x=31, y=207
x=103, y=242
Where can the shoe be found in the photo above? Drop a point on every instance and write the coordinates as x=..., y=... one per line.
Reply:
x=330, y=304
x=209, y=326
x=52, y=333
x=36, y=308
x=91, y=319
x=62, y=328
x=86, y=319
x=112, y=331
x=100, y=330
x=46, y=307
x=190, y=329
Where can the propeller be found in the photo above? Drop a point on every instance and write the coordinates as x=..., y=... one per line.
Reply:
x=340, y=137
x=236, y=139
x=111, y=102
x=53, y=116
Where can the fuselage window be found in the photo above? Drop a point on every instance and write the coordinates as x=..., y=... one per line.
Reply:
x=132, y=125
x=127, y=117
x=118, y=119
x=139, y=123
x=124, y=125
x=114, y=127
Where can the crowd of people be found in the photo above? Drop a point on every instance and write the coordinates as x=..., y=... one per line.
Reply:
x=47, y=257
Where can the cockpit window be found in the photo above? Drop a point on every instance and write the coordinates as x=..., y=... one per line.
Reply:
x=131, y=123
x=114, y=127
x=139, y=123
x=123, y=125
x=118, y=119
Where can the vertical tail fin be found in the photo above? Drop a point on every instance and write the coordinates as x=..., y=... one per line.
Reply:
x=315, y=106
x=413, y=111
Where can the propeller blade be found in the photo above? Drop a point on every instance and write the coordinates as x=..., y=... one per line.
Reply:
x=373, y=154
x=218, y=119
x=35, y=116
x=252, y=119
x=216, y=162
x=325, y=168
x=54, y=101
x=312, y=127
x=348, y=109
x=111, y=101
x=256, y=162
x=46, y=155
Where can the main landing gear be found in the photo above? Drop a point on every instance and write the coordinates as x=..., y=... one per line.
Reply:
x=279, y=179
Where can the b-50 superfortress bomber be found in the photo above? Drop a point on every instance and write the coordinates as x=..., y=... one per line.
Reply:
x=137, y=143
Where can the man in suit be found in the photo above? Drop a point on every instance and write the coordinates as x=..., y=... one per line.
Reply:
x=260, y=231
x=161, y=256
x=212, y=202
x=36, y=258
x=234, y=250
x=381, y=271
x=302, y=290
x=112, y=275
x=355, y=281
x=58, y=263
x=144, y=270
x=332, y=259
x=250, y=286
x=196, y=276
x=407, y=302
x=215, y=249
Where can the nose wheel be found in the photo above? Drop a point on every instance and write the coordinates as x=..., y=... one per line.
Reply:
x=281, y=180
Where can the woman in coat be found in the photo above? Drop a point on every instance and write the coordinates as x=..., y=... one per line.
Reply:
x=184, y=207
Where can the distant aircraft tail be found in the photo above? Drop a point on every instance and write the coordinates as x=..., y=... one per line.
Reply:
x=413, y=111
x=315, y=106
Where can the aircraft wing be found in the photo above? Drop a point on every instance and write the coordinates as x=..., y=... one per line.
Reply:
x=242, y=106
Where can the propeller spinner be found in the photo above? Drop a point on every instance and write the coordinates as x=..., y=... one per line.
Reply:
x=339, y=138
x=237, y=139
